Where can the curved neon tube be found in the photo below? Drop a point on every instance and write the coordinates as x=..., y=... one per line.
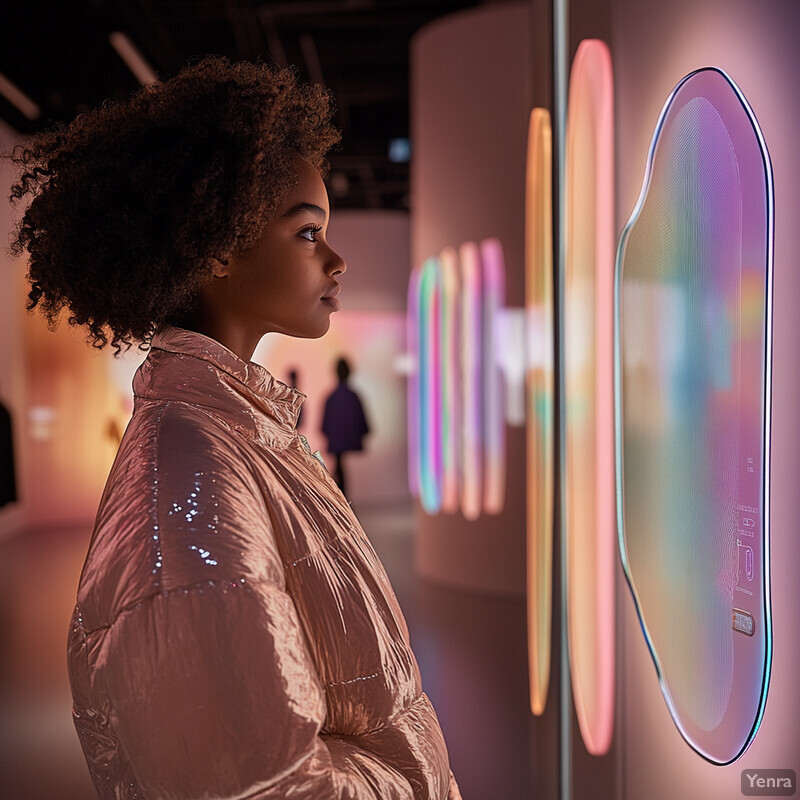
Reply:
x=539, y=385
x=450, y=401
x=413, y=389
x=471, y=375
x=429, y=388
x=590, y=489
x=494, y=426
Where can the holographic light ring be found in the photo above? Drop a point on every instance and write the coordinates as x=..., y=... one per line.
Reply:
x=717, y=700
x=494, y=428
x=590, y=519
x=450, y=400
x=430, y=387
x=539, y=385
x=471, y=325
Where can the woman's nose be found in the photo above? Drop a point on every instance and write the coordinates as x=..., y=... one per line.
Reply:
x=336, y=264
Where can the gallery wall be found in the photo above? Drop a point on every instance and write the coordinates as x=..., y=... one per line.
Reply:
x=653, y=45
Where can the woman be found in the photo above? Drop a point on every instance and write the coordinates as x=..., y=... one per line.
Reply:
x=235, y=635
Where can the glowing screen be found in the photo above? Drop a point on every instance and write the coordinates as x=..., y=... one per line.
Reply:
x=589, y=391
x=693, y=321
x=539, y=384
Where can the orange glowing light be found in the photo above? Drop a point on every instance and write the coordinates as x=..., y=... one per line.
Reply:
x=539, y=384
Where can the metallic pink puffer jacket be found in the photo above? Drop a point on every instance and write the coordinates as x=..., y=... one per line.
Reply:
x=235, y=635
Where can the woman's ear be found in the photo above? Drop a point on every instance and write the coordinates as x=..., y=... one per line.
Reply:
x=219, y=267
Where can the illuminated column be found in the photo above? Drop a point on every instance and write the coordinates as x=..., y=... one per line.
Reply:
x=588, y=326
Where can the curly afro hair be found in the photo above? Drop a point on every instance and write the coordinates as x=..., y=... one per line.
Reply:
x=130, y=202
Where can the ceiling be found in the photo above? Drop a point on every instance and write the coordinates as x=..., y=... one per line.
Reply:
x=58, y=53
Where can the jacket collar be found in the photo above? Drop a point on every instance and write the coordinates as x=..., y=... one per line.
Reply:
x=189, y=367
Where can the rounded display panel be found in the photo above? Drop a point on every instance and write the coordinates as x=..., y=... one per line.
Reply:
x=694, y=270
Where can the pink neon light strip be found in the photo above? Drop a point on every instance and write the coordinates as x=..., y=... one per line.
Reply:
x=413, y=397
x=494, y=297
x=471, y=374
x=450, y=400
x=591, y=527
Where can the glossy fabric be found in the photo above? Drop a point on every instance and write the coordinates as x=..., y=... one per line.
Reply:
x=235, y=635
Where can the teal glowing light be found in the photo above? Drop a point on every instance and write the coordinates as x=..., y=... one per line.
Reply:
x=693, y=361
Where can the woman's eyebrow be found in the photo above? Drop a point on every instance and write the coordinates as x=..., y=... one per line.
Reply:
x=302, y=208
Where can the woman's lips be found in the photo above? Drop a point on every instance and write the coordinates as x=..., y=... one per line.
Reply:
x=331, y=298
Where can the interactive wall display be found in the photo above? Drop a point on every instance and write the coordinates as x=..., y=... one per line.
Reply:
x=694, y=271
x=588, y=385
x=539, y=386
x=456, y=414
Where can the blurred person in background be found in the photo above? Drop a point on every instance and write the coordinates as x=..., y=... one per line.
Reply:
x=343, y=422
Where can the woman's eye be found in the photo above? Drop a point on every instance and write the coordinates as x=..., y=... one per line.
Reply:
x=310, y=233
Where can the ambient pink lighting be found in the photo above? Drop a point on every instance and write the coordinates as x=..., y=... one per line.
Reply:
x=589, y=369
x=471, y=382
x=539, y=384
x=494, y=425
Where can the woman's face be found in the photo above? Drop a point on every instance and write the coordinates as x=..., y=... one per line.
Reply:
x=286, y=282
